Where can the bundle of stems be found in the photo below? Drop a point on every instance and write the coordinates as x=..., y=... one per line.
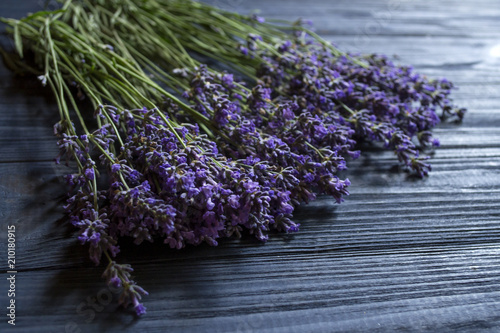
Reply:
x=185, y=153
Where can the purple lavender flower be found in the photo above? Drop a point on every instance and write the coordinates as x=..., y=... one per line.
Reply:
x=347, y=90
x=139, y=309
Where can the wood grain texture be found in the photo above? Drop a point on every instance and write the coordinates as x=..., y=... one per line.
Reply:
x=401, y=254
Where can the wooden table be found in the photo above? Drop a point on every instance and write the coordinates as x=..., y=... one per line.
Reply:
x=401, y=254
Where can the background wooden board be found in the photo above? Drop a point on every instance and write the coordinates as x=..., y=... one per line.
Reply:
x=400, y=254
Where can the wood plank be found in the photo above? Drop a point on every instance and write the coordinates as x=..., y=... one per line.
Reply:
x=323, y=292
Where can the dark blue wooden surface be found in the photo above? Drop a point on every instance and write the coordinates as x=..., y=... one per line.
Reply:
x=401, y=254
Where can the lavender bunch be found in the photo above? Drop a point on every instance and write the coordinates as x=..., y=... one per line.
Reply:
x=183, y=153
